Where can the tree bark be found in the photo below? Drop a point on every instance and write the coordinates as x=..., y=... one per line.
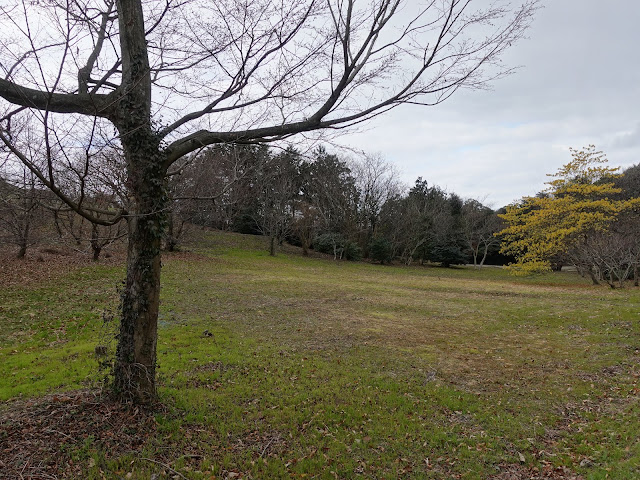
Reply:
x=484, y=256
x=24, y=241
x=134, y=376
x=96, y=247
x=170, y=239
x=134, y=371
x=593, y=277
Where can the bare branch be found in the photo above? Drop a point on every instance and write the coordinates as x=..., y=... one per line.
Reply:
x=84, y=74
x=86, y=104
x=115, y=217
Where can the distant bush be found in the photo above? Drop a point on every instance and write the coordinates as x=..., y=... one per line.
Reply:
x=449, y=254
x=245, y=223
x=380, y=250
x=328, y=242
x=337, y=245
x=352, y=252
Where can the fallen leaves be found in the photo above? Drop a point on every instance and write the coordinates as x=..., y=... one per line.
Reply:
x=35, y=434
x=43, y=265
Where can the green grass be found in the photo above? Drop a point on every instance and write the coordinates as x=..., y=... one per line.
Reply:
x=322, y=369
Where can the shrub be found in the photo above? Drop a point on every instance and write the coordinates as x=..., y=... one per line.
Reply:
x=380, y=250
x=326, y=243
x=352, y=252
x=337, y=245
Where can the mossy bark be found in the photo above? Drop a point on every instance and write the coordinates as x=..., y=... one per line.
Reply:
x=135, y=366
x=134, y=376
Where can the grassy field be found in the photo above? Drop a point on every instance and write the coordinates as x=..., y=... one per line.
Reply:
x=291, y=367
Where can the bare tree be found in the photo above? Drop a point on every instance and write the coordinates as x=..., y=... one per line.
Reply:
x=305, y=224
x=21, y=211
x=329, y=189
x=278, y=187
x=419, y=221
x=612, y=256
x=103, y=236
x=479, y=224
x=164, y=79
x=377, y=181
x=209, y=187
x=83, y=233
x=96, y=180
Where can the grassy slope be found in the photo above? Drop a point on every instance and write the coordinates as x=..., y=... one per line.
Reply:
x=323, y=369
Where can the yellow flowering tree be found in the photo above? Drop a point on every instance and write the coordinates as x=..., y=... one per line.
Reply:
x=580, y=203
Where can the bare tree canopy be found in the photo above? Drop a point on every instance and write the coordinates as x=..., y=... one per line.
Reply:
x=239, y=71
x=157, y=80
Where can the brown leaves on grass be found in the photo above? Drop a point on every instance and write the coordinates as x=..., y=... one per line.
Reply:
x=44, y=265
x=51, y=437
x=37, y=437
x=547, y=472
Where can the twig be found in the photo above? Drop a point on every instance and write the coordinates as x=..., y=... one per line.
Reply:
x=265, y=448
x=164, y=465
x=50, y=430
x=23, y=469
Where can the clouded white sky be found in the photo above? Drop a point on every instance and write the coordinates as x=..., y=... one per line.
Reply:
x=579, y=84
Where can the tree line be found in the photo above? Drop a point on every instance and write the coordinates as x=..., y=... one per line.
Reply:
x=350, y=209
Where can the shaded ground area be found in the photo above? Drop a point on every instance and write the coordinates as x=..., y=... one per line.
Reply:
x=52, y=438
x=39, y=438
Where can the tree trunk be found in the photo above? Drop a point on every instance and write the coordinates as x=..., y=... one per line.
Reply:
x=56, y=222
x=272, y=245
x=484, y=256
x=134, y=371
x=304, y=232
x=170, y=241
x=593, y=277
x=635, y=274
x=134, y=378
x=24, y=239
x=609, y=279
x=135, y=365
x=95, y=243
x=134, y=375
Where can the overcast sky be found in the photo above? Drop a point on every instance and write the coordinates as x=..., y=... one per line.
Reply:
x=579, y=85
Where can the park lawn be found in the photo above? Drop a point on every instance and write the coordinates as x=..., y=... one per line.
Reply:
x=294, y=367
